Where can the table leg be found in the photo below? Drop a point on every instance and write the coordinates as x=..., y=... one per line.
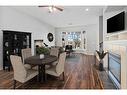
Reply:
x=40, y=72
x=44, y=77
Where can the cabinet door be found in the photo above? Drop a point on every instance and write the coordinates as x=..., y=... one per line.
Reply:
x=28, y=36
x=26, y=40
x=17, y=43
x=7, y=48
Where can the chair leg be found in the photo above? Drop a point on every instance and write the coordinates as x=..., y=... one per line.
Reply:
x=45, y=77
x=14, y=84
x=63, y=76
x=59, y=78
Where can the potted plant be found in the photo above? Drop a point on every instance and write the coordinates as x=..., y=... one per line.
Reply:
x=42, y=50
x=77, y=42
x=101, y=56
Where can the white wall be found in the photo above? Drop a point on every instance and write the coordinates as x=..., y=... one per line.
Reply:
x=100, y=29
x=92, y=38
x=92, y=35
x=11, y=19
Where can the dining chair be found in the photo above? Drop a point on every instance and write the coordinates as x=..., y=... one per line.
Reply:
x=54, y=52
x=21, y=74
x=68, y=49
x=58, y=69
x=25, y=54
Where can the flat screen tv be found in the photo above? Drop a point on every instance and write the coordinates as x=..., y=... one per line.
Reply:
x=116, y=23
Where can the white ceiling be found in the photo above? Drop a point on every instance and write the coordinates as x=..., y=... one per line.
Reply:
x=75, y=15
x=114, y=8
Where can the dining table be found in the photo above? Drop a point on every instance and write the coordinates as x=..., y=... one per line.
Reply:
x=41, y=63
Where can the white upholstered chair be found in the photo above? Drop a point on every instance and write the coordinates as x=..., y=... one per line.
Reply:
x=54, y=52
x=59, y=68
x=21, y=74
x=25, y=54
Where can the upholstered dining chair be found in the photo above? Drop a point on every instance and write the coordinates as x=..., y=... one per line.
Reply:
x=68, y=49
x=25, y=54
x=21, y=74
x=58, y=69
x=55, y=52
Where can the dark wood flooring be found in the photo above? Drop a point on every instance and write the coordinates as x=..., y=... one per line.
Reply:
x=78, y=75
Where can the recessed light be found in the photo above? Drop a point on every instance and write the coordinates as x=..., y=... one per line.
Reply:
x=87, y=9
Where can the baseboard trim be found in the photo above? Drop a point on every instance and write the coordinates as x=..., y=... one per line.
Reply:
x=89, y=53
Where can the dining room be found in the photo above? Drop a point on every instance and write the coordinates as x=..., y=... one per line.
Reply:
x=47, y=68
x=53, y=76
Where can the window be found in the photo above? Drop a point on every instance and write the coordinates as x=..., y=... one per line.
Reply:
x=71, y=38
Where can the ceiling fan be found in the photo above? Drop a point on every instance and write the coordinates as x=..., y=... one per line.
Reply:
x=52, y=8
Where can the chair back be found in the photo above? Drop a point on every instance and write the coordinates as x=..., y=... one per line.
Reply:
x=61, y=62
x=54, y=51
x=68, y=47
x=26, y=53
x=18, y=67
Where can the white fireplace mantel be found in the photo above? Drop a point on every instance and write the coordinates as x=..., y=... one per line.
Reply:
x=117, y=42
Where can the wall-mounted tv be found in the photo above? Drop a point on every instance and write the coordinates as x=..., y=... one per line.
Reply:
x=116, y=23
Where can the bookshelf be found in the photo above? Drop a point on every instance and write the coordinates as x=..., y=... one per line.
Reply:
x=13, y=43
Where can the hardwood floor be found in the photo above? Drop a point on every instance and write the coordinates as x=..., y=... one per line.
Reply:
x=78, y=75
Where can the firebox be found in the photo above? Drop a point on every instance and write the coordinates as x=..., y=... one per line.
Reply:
x=114, y=68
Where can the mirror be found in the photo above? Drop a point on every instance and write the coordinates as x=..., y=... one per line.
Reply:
x=50, y=37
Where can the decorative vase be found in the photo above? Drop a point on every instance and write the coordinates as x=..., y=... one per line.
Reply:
x=41, y=56
x=101, y=67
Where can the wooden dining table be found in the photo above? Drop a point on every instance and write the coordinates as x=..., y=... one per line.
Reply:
x=41, y=63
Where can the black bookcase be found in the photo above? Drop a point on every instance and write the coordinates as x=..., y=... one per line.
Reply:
x=13, y=42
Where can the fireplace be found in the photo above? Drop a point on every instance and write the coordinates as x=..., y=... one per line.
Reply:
x=114, y=68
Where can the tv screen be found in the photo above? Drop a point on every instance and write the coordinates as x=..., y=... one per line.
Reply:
x=116, y=23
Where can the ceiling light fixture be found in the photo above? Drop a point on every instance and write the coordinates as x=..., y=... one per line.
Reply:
x=87, y=9
x=51, y=9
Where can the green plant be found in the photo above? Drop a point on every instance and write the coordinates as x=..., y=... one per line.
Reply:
x=42, y=50
x=77, y=42
x=101, y=54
